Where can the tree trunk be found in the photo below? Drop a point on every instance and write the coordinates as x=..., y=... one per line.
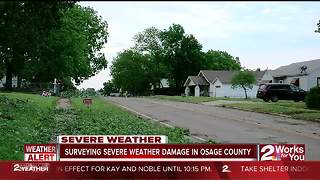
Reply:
x=245, y=91
x=9, y=72
x=177, y=88
x=19, y=80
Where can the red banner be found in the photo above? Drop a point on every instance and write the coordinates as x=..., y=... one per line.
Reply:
x=40, y=152
x=163, y=170
x=157, y=152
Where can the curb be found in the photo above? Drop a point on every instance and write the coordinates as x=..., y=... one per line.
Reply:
x=275, y=114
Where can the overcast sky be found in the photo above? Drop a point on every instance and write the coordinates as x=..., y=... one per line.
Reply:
x=261, y=34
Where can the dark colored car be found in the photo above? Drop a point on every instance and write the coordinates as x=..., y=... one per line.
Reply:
x=275, y=92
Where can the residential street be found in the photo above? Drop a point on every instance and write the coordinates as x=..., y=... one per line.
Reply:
x=228, y=125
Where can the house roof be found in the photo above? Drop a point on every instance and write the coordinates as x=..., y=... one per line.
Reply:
x=259, y=75
x=294, y=69
x=164, y=83
x=226, y=76
x=223, y=76
x=198, y=80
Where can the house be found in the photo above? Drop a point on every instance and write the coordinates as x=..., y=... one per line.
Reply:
x=304, y=74
x=14, y=82
x=162, y=87
x=218, y=84
x=163, y=83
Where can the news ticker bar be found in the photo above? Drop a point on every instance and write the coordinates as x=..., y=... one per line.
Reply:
x=161, y=170
x=155, y=148
x=164, y=152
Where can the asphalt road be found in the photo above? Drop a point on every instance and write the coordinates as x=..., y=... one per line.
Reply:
x=228, y=125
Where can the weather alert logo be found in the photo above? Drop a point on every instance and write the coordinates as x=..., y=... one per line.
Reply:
x=282, y=152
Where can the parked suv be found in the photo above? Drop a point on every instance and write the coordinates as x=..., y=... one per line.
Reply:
x=275, y=92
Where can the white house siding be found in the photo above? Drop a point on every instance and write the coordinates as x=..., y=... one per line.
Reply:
x=312, y=79
x=227, y=91
x=211, y=90
x=197, y=91
x=267, y=76
x=303, y=83
x=14, y=81
x=191, y=83
x=164, y=83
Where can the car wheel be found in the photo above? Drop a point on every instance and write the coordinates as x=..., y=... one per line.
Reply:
x=274, y=98
x=266, y=100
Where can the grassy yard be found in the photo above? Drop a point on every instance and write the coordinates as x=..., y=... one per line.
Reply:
x=289, y=108
x=26, y=118
x=192, y=99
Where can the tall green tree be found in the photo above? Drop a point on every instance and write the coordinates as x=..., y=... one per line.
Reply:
x=74, y=49
x=149, y=42
x=170, y=53
x=182, y=55
x=108, y=87
x=220, y=60
x=24, y=29
x=130, y=72
x=243, y=79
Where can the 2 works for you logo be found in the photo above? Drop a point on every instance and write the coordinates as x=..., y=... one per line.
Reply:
x=282, y=152
x=30, y=167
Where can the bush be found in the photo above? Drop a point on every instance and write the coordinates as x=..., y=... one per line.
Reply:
x=77, y=93
x=70, y=93
x=313, y=98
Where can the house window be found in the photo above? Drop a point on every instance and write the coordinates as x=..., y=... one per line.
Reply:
x=318, y=81
x=295, y=81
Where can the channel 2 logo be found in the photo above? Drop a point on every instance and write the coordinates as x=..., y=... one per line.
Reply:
x=282, y=152
x=30, y=167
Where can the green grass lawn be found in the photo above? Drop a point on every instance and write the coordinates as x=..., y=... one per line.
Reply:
x=192, y=99
x=293, y=109
x=24, y=118
x=27, y=118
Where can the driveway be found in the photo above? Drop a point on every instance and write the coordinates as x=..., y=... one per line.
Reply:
x=228, y=125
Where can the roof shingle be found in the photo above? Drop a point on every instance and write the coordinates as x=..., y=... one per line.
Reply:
x=226, y=76
x=295, y=68
x=198, y=80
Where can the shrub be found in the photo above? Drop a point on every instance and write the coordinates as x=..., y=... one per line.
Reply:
x=313, y=98
x=79, y=93
x=70, y=93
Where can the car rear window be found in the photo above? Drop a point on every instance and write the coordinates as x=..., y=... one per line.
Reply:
x=263, y=87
